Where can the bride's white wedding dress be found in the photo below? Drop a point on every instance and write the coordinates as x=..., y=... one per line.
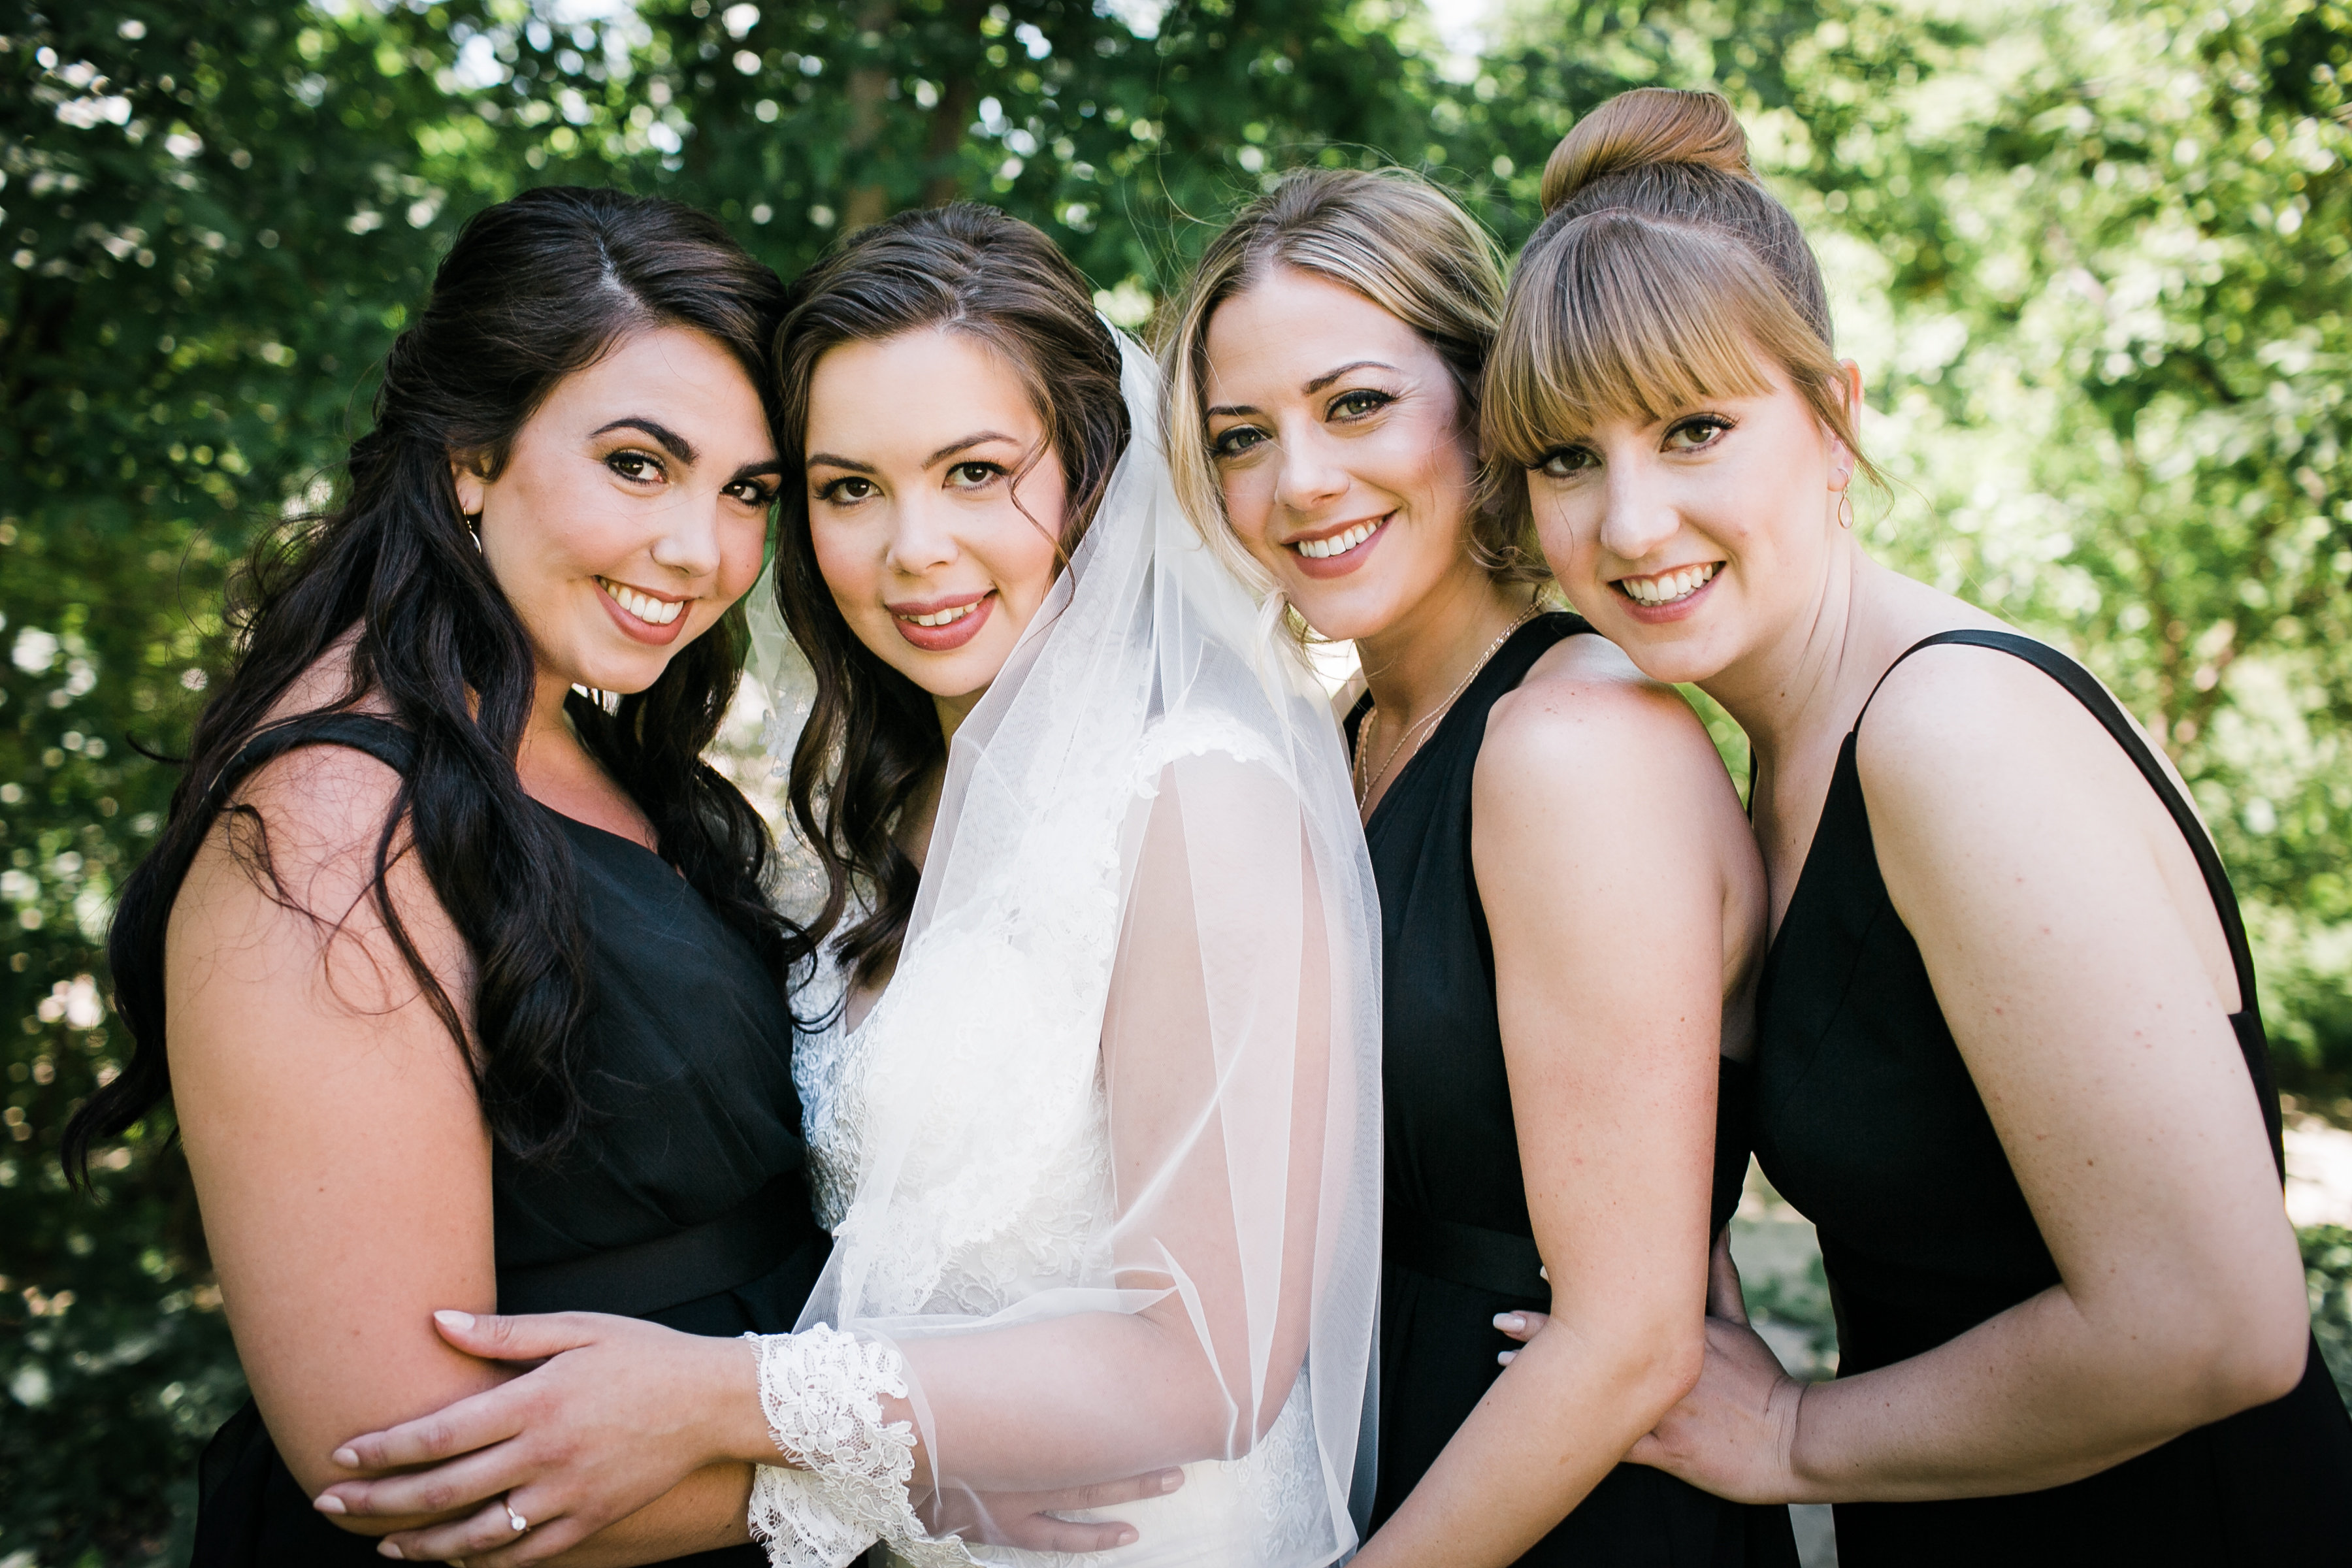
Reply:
x=1102, y=1161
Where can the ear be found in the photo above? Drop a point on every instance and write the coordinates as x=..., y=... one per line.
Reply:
x=470, y=477
x=1848, y=390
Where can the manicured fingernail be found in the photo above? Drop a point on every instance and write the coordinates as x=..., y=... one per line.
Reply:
x=1170, y=1479
x=1510, y=1323
x=347, y=1458
x=1126, y=1538
x=1505, y=1358
x=386, y=1549
x=330, y=1503
x=453, y=1320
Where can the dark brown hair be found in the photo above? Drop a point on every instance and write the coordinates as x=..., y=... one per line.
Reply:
x=873, y=735
x=533, y=291
x=1662, y=272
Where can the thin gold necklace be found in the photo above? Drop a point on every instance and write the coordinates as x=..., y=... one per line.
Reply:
x=1364, y=787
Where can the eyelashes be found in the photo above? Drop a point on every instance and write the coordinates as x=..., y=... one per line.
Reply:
x=1356, y=403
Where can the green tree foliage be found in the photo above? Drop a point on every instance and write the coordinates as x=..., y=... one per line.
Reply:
x=2093, y=257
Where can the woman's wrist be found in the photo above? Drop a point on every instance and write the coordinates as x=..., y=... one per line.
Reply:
x=727, y=1389
x=1803, y=1481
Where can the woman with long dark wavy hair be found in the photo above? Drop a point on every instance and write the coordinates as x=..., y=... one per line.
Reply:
x=463, y=982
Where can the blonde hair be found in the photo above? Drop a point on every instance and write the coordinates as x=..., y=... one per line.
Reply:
x=1662, y=273
x=1394, y=238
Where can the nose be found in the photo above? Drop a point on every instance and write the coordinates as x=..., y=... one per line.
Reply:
x=1639, y=516
x=1310, y=477
x=689, y=545
x=919, y=540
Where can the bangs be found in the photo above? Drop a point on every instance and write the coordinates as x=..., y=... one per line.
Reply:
x=1618, y=316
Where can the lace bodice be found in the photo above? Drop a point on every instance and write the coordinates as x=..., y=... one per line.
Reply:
x=1004, y=1185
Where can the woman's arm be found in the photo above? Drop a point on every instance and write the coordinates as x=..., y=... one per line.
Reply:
x=1217, y=1065
x=2075, y=951
x=319, y=1093
x=1622, y=892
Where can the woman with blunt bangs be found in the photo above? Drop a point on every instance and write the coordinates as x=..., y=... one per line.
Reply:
x=1571, y=907
x=1091, y=1072
x=464, y=987
x=2009, y=1057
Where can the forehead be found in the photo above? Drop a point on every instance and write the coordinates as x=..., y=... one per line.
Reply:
x=1290, y=327
x=670, y=374
x=910, y=395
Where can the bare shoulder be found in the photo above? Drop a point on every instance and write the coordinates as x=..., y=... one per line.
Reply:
x=1957, y=727
x=1585, y=712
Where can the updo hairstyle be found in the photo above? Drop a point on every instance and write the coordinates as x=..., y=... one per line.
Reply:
x=873, y=735
x=1662, y=272
x=1394, y=238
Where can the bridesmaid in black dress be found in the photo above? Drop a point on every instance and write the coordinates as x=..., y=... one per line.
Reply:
x=2010, y=1060
x=1571, y=905
x=472, y=990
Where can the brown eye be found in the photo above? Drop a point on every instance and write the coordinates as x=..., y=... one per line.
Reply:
x=843, y=491
x=1561, y=462
x=636, y=467
x=1698, y=433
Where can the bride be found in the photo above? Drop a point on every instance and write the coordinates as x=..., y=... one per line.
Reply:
x=1094, y=1109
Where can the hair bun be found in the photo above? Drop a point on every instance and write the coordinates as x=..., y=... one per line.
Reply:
x=1647, y=125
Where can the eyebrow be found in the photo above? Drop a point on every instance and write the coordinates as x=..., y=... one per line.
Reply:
x=979, y=438
x=1311, y=388
x=670, y=441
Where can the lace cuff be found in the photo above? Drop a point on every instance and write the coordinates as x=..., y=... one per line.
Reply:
x=822, y=1391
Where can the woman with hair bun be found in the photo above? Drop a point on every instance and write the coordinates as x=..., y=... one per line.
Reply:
x=1571, y=907
x=2008, y=1056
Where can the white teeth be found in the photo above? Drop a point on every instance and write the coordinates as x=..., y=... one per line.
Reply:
x=1339, y=543
x=943, y=618
x=1670, y=587
x=652, y=611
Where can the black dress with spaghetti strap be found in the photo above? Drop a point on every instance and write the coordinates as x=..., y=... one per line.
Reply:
x=1459, y=1245
x=685, y=1202
x=1868, y=1121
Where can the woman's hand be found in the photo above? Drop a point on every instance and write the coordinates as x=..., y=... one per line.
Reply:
x=1733, y=1434
x=1027, y=1519
x=616, y=1413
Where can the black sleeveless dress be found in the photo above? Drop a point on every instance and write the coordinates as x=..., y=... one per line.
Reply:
x=1459, y=1247
x=1868, y=1123
x=685, y=1203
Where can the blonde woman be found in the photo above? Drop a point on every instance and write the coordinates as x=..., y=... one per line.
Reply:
x=1571, y=906
x=2008, y=1058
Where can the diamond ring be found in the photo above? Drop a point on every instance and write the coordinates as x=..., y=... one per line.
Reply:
x=514, y=1519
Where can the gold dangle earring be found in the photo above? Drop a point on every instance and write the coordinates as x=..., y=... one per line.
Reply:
x=1845, y=512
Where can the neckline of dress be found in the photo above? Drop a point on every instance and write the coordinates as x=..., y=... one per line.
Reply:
x=1461, y=705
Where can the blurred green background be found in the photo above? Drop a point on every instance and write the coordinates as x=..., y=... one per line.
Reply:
x=2092, y=256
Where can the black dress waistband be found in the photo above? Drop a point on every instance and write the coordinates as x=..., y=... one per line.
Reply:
x=750, y=1240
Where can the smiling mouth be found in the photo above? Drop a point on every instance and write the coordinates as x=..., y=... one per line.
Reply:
x=644, y=606
x=946, y=617
x=1668, y=587
x=1339, y=543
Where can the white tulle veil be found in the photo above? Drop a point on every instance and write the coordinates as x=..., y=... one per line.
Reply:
x=1115, y=1194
